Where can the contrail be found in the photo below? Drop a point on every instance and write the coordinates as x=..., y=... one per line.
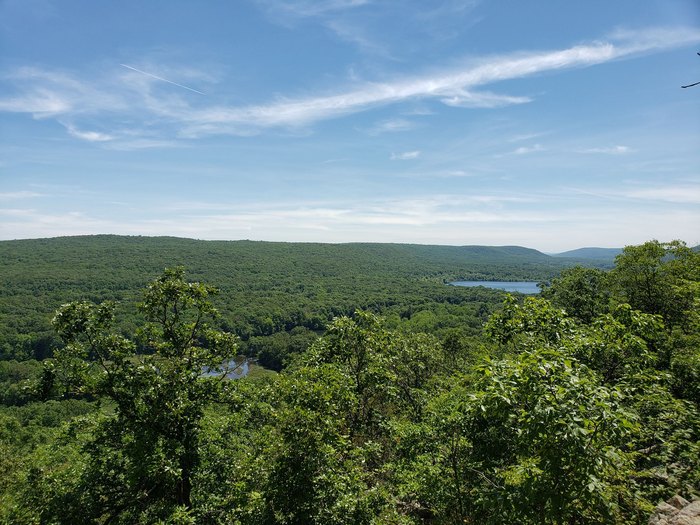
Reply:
x=161, y=78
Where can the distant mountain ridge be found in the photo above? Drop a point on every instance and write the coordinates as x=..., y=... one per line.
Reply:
x=433, y=253
x=76, y=257
x=601, y=254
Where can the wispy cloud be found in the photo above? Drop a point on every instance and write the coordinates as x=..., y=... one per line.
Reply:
x=208, y=220
x=675, y=193
x=418, y=111
x=527, y=136
x=309, y=8
x=90, y=136
x=684, y=194
x=612, y=150
x=466, y=99
x=357, y=35
x=16, y=195
x=30, y=223
x=406, y=155
x=455, y=173
x=452, y=87
x=142, y=143
x=433, y=219
x=391, y=125
x=146, y=101
x=41, y=103
x=363, y=23
x=44, y=94
x=524, y=150
x=334, y=15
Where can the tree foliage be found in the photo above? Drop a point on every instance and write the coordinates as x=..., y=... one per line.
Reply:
x=584, y=293
x=140, y=461
x=580, y=406
x=659, y=278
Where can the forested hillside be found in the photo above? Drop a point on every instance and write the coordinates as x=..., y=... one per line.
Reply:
x=267, y=288
x=597, y=254
x=579, y=406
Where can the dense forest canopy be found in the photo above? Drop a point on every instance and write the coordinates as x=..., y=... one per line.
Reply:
x=411, y=402
x=267, y=288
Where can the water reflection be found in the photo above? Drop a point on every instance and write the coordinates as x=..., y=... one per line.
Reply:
x=233, y=368
x=525, y=287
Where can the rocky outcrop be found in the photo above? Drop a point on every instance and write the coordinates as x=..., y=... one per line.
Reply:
x=676, y=511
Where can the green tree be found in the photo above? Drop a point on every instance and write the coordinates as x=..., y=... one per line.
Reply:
x=659, y=278
x=534, y=440
x=333, y=462
x=534, y=437
x=621, y=343
x=358, y=346
x=141, y=461
x=530, y=324
x=583, y=292
x=318, y=472
x=666, y=446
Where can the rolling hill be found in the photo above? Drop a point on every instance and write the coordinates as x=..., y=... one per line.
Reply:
x=266, y=287
x=598, y=254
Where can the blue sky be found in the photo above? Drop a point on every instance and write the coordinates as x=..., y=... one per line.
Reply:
x=546, y=124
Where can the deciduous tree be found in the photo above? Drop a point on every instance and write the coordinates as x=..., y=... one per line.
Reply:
x=142, y=459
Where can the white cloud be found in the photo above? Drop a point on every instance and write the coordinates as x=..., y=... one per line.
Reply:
x=612, y=150
x=142, y=143
x=524, y=150
x=90, y=136
x=436, y=219
x=356, y=34
x=679, y=194
x=465, y=99
x=156, y=106
x=456, y=173
x=424, y=212
x=527, y=136
x=332, y=14
x=310, y=8
x=55, y=93
x=418, y=111
x=15, y=195
x=406, y=155
x=41, y=103
x=391, y=125
x=30, y=223
x=452, y=87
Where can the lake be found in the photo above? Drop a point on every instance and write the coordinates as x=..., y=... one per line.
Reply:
x=526, y=287
x=236, y=368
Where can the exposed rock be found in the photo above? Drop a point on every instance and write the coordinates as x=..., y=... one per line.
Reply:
x=678, y=501
x=676, y=511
